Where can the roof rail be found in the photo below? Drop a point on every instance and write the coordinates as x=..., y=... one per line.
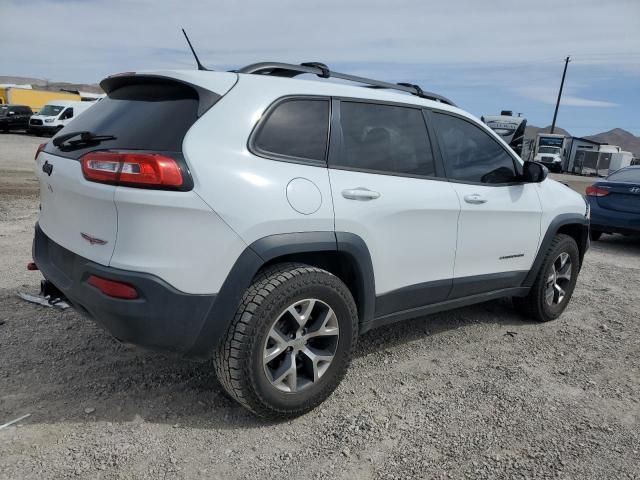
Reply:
x=290, y=70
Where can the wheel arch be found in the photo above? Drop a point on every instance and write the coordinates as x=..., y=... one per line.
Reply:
x=343, y=254
x=572, y=224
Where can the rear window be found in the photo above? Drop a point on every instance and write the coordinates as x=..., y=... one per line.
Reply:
x=631, y=175
x=153, y=116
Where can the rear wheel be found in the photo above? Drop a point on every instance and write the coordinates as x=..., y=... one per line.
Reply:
x=555, y=282
x=290, y=342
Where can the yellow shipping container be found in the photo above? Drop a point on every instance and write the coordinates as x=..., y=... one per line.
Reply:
x=36, y=99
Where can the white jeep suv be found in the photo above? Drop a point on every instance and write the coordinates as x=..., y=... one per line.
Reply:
x=266, y=222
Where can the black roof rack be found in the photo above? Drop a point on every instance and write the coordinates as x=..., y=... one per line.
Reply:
x=290, y=70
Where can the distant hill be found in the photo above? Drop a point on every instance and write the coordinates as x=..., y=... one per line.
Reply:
x=531, y=131
x=625, y=140
x=46, y=85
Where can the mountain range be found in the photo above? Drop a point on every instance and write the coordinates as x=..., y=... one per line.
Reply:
x=47, y=85
x=627, y=141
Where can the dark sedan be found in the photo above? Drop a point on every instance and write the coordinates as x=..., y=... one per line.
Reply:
x=615, y=203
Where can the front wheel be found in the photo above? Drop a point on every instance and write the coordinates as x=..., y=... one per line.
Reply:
x=556, y=280
x=290, y=342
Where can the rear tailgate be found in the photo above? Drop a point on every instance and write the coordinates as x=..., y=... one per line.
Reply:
x=141, y=113
x=77, y=214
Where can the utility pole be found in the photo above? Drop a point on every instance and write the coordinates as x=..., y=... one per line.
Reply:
x=555, y=114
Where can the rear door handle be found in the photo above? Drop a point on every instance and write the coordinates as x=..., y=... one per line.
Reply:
x=475, y=199
x=360, y=193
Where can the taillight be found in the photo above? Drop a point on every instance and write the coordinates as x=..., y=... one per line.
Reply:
x=40, y=148
x=113, y=288
x=150, y=170
x=594, y=191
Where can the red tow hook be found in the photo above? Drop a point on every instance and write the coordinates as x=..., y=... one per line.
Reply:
x=32, y=266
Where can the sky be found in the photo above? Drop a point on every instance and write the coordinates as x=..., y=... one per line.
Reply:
x=484, y=55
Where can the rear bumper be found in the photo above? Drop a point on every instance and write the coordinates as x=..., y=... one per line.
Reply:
x=162, y=318
x=612, y=221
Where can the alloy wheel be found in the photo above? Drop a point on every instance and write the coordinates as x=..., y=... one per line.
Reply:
x=300, y=345
x=558, y=279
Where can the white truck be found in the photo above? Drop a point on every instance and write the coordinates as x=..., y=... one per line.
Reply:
x=551, y=151
x=55, y=115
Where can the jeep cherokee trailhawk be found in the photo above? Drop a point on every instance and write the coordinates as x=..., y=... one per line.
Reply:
x=266, y=221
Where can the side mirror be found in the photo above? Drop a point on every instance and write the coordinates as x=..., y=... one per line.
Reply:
x=534, y=172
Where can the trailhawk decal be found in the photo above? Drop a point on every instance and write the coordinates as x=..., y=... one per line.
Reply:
x=507, y=257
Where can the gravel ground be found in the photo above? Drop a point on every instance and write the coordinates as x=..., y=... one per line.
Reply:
x=474, y=393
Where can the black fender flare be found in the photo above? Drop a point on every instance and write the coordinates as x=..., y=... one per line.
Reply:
x=555, y=225
x=263, y=251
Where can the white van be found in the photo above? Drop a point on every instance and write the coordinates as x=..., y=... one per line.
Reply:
x=55, y=115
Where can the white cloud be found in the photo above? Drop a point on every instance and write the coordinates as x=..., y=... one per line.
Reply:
x=91, y=38
x=549, y=96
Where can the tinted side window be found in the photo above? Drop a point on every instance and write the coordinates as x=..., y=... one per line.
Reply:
x=385, y=138
x=470, y=154
x=296, y=128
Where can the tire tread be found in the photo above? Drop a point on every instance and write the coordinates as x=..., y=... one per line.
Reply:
x=232, y=362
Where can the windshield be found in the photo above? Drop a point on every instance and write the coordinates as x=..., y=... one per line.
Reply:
x=3, y=110
x=51, y=110
x=626, y=175
x=552, y=150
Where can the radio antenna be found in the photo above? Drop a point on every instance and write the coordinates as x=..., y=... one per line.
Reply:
x=200, y=66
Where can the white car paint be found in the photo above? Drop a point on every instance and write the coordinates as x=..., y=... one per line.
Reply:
x=410, y=229
x=70, y=206
x=498, y=229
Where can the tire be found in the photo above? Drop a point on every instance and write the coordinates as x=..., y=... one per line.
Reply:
x=264, y=314
x=536, y=304
x=595, y=235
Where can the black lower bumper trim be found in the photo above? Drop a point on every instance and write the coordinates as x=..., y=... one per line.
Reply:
x=161, y=318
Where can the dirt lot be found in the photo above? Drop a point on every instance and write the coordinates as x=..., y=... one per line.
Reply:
x=473, y=393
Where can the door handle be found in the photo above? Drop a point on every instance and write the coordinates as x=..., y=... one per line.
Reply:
x=475, y=199
x=360, y=193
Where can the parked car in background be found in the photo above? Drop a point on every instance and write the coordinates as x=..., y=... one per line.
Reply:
x=54, y=116
x=14, y=117
x=615, y=203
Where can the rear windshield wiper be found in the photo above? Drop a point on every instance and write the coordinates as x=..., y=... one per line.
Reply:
x=85, y=138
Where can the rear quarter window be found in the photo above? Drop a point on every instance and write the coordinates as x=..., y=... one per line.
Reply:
x=294, y=129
